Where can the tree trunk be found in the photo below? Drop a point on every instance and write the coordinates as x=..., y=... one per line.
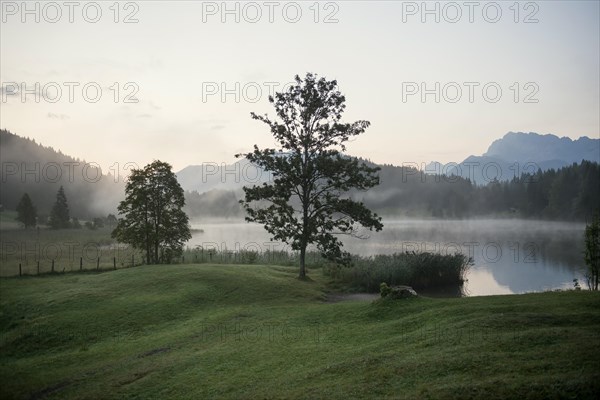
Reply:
x=305, y=199
x=148, y=252
x=156, y=251
x=147, y=234
x=302, y=274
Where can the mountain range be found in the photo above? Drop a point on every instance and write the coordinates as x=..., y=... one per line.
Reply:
x=517, y=153
x=512, y=155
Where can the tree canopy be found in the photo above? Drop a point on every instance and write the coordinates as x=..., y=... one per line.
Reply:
x=59, y=215
x=307, y=202
x=153, y=220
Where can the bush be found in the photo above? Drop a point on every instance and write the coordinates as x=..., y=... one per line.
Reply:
x=384, y=289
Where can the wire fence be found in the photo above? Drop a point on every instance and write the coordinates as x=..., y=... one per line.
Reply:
x=38, y=260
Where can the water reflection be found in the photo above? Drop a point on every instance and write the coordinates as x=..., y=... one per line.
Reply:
x=510, y=256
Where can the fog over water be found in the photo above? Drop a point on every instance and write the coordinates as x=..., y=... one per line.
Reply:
x=510, y=255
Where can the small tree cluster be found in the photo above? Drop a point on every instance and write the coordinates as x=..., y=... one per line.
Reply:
x=94, y=224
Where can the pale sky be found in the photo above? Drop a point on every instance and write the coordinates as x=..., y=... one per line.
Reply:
x=180, y=55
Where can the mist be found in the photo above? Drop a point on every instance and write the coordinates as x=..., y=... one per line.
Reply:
x=29, y=167
x=509, y=255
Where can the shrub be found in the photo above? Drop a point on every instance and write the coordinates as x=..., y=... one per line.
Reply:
x=384, y=289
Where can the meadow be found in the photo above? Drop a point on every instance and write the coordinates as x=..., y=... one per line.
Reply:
x=255, y=331
x=43, y=250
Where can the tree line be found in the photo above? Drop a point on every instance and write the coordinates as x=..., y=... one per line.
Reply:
x=569, y=193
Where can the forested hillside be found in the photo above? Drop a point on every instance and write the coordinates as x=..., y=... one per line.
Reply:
x=29, y=167
x=572, y=192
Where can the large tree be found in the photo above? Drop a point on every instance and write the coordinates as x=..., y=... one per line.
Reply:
x=153, y=220
x=59, y=215
x=308, y=202
x=26, y=212
x=592, y=252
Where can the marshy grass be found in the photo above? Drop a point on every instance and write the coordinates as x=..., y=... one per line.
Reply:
x=210, y=255
x=423, y=270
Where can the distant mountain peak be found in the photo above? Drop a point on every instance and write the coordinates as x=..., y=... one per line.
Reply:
x=533, y=147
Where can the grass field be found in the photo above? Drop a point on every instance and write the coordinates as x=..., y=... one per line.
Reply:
x=253, y=332
x=8, y=220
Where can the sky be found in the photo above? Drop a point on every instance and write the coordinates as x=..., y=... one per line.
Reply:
x=131, y=82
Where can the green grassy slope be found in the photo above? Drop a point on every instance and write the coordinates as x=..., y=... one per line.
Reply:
x=252, y=332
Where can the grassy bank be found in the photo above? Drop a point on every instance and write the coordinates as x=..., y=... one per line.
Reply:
x=251, y=331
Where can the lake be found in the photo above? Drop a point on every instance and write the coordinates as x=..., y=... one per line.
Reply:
x=510, y=255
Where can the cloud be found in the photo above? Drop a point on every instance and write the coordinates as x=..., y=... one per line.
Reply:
x=57, y=116
x=145, y=116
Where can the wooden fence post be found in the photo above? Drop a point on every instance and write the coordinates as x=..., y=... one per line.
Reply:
x=52, y=265
x=19, y=269
x=80, y=263
x=97, y=263
x=38, y=267
x=115, y=262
